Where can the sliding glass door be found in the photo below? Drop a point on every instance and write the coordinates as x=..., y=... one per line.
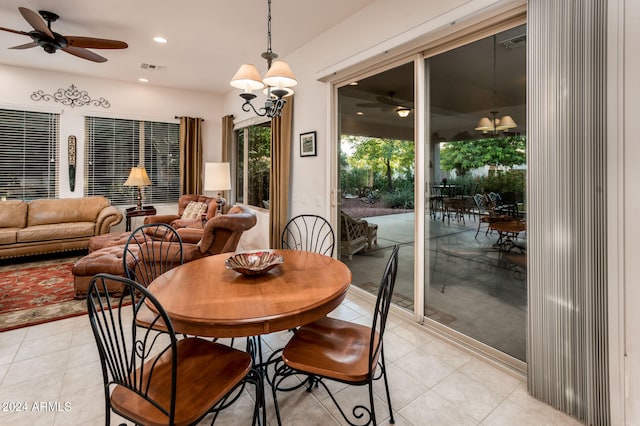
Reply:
x=376, y=178
x=476, y=241
x=470, y=102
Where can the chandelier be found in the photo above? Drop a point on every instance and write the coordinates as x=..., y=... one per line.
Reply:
x=276, y=83
x=495, y=124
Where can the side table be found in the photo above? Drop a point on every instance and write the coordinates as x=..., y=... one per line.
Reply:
x=135, y=212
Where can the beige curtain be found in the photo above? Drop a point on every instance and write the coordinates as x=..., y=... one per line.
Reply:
x=281, y=139
x=227, y=138
x=227, y=151
x=191, y=155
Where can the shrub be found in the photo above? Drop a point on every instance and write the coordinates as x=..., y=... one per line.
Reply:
x=400, y=198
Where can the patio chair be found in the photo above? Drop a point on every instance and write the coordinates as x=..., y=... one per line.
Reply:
x=487, y=213
x=354, y=235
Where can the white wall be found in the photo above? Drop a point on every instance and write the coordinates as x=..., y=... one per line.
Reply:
x=127, y=100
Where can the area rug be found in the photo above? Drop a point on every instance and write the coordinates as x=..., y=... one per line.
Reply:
x=37, y=292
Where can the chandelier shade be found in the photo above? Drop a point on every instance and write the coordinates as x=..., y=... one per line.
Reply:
x=507, y=122
x=280, y=75
x=247, y=78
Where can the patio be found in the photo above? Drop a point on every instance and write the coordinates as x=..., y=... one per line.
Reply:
x=473, y=287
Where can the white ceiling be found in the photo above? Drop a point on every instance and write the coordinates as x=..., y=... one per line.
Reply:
x=207, y=39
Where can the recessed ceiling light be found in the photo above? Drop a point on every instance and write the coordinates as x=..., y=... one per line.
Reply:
x=160, y=40
x=354, y=83
x=144, y=80
x=360, y=113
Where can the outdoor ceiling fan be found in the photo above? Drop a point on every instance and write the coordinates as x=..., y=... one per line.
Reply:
x=51, y=41
x=387, y=103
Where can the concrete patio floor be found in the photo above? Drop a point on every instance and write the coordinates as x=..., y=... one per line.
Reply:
x=470, y=286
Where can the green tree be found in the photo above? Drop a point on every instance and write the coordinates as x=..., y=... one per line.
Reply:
x=377, y=155
x=465, y=155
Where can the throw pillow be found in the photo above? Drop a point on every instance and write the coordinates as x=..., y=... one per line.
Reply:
x=194, y=210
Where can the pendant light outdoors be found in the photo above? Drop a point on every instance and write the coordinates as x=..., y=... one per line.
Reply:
x=494, y=124
x=277, y=81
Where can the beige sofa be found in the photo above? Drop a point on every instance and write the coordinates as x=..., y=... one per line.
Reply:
x=52, y=225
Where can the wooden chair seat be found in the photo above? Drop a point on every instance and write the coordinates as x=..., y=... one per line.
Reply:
x=319, y=348
x=151, y=377
x=147, y=318
x=207, y=371
x=338, y=350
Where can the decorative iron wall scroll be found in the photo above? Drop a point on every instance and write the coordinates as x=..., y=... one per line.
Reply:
x=70, y=97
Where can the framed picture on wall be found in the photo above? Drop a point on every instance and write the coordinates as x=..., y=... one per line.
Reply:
x=308, y=144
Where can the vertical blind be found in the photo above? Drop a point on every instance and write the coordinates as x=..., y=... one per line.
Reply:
x=28, y=154
x=115, y=145
x=567, y=355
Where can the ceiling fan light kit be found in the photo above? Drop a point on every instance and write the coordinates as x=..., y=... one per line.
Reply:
x=277, y=82
x=403, y=112
x=51, y=42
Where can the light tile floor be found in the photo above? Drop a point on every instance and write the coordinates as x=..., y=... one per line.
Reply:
x=50, y=375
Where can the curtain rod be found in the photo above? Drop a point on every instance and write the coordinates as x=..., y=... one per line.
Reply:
x=178, y=118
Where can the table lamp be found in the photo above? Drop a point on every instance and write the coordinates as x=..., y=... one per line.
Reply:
x=138, y=177
x=217, y=177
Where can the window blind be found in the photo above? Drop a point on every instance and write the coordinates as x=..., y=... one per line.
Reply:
x=115, y=145
x=29, y=144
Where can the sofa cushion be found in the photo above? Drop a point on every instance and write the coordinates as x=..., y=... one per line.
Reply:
x=64, y=210
x=55, y=232
x=194, y=210
x=8, y=235
x=13, y=214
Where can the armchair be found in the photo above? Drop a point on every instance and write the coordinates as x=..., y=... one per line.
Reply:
x=190, y=230
x=221, y=234
x=353, y=235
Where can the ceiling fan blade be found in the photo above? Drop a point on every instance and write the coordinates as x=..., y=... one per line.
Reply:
x=35, y=21
x=84, y=54
x=95, y=43
x=14, y=31
x=25, y=46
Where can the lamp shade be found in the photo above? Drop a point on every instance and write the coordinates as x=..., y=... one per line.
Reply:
x=138, y=177
x=280, y=75
x=217, y=177
x=247, y=78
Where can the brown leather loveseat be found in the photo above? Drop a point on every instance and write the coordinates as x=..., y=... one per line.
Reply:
x=52, y=225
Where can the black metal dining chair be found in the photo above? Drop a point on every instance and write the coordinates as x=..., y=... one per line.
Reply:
x=341, y=351
x=150, y=251
x=151, y=377
x=309, y=232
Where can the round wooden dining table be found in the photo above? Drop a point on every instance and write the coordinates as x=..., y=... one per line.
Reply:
x=204, y=298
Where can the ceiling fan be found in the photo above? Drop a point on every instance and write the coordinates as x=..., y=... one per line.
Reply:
x=51, y=41
x=387, y=103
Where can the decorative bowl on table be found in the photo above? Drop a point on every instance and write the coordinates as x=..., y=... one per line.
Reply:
x=254, y=263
